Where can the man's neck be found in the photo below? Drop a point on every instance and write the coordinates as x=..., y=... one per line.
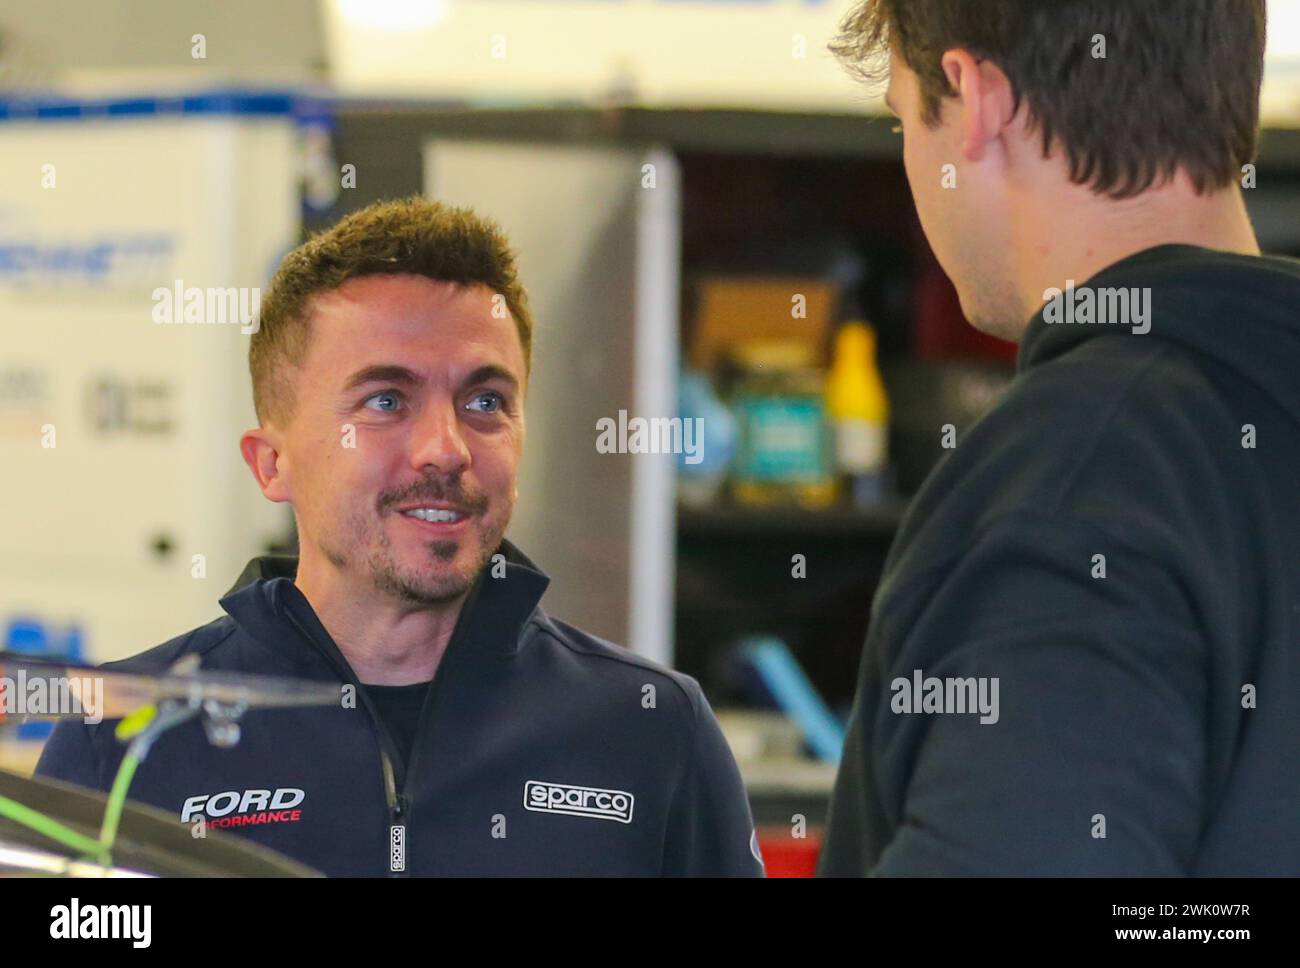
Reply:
x=387, y=642
x=1085, y=235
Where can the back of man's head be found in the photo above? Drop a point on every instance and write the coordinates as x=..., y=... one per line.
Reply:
x=1046, y=139
x=1129, y=89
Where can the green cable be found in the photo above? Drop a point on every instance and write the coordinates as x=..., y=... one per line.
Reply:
x=101, y=849
x=116, y=801
x=50, y=828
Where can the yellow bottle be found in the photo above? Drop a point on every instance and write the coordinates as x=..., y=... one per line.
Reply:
x=858, y=408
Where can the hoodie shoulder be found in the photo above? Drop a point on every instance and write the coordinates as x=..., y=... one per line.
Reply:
x=199, y=641
x=1120, y=430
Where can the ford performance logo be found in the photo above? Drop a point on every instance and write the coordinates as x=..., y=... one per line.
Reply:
x=578, y=801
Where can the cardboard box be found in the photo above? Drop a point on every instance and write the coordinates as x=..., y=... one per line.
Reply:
x=734, y=309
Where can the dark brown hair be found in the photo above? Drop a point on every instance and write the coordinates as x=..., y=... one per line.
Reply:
x=1178, y=87
x=413, y=236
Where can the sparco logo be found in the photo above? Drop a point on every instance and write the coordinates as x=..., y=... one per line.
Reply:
x=579, y=801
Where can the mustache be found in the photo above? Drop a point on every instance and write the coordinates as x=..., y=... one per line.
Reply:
x=432, y=490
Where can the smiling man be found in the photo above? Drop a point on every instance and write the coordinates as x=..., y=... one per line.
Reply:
x=389, y=373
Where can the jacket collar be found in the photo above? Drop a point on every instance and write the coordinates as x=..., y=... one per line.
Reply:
x=492, y=620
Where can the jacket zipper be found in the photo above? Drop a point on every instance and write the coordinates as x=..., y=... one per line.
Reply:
x=397, y=812
x=398, y=805
x=398, y=808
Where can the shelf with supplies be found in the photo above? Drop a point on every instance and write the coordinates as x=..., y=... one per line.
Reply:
x=878, y=521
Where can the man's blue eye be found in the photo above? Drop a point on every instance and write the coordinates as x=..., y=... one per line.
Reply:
x=383, y=396
x=493, y=396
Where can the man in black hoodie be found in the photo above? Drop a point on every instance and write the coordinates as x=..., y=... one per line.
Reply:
x=1082, y=656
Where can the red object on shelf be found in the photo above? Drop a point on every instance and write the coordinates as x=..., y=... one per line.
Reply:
x=788, y=856
x=940, y=328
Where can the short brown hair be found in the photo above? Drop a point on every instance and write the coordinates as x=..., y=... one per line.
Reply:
x=413, y=236
x=1178, y=87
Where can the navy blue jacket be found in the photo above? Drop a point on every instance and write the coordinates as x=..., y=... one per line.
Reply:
x=1117, y=543
x=540, y=749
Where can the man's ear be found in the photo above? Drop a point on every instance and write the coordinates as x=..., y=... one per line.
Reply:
x=260, y=448
x=985, y=102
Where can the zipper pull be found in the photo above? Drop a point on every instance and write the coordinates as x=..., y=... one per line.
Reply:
x=397, y=848
x=397, y=838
